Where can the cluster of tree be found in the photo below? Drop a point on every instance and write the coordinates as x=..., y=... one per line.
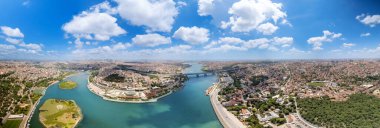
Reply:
x=10, y=86
x=114, y=78
x=155, y=84
x=360, y=110
x=92, y=75
x=227, y=90
x=253, y=122
x=278, y=121
x=8, y=92
x=256, y=80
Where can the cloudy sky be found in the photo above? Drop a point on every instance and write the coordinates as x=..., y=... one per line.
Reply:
x=189, y=29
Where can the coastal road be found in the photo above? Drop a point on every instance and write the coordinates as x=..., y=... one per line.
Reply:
x=227, y=119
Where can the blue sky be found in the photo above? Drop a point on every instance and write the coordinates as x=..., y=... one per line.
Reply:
x=189, y=30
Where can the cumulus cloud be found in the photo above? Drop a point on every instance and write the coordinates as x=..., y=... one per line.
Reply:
x=13, y=40
x=12, y=32
x=157, y=15
x=151, y=40
x=94, y=24
x=5, y=47
x=205, y=7
x=15, y=37
x=318, y=41
x=283, y=41
x=348, y=45
x=267, y=28
x=248, y=15
x=192, y=35
x=370, y=20
x=32, y=46
x=233, y=43
x=112, y=49
x=227, y=47
x=365, y=34
x=119, y=51
x=181, y=4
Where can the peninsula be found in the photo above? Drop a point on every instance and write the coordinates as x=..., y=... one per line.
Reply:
x=136, y=82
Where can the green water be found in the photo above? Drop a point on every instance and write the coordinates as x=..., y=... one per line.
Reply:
x=185, y=108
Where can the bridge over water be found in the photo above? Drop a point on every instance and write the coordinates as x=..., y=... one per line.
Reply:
x=199, y=74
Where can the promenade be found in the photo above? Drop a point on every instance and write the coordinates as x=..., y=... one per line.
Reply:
x=227, y=119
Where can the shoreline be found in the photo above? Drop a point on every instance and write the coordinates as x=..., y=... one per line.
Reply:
x=26, y=125
x=91, y=87
x=227, y=119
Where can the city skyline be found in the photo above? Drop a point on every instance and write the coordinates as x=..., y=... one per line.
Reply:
x=189, y=30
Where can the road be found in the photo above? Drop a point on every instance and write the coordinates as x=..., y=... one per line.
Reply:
x=227, y=119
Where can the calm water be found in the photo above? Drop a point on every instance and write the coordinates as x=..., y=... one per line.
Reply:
x=186, y=108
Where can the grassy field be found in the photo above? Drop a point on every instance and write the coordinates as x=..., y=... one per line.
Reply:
x=60, y=113
x=67, y=85
x=12, y=124
x=316, y=84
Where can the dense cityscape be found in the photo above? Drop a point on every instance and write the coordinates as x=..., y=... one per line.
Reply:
x=247, y=94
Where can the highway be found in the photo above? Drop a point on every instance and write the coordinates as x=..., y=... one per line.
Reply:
x=227, y=119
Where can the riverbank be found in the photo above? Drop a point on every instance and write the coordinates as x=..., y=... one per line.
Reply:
x=99, y=92
x=227, y=119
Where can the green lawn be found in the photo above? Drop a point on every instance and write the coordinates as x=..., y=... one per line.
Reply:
x=60, y=113
x=67, y=85
x=12, y=124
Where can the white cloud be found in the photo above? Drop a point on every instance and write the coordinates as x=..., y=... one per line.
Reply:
x=103, y=7
x=181, y=4
x=260, y=43
x=297, y=51
x=97, y=26
x=119, y=51
x=348, y=45
x=78, y=43
x=171, y=50
x=193, y=35
x=205, y=7
x=4, y=47
x=104, y=50
x=13, y=40
x=15, y=37
x=365, y=34
x=32, y=46
x=230, y=40
x=227, y=47
x=233, y=43
x=12, y=32
x=210, y=45
x=267, y=28
x=157, y=15
x=283, y=41
x=151, y=40
x=248, y=15
x=369, y=20
x=318, y=41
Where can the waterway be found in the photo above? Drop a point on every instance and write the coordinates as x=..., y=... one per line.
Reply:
x=185, y=108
